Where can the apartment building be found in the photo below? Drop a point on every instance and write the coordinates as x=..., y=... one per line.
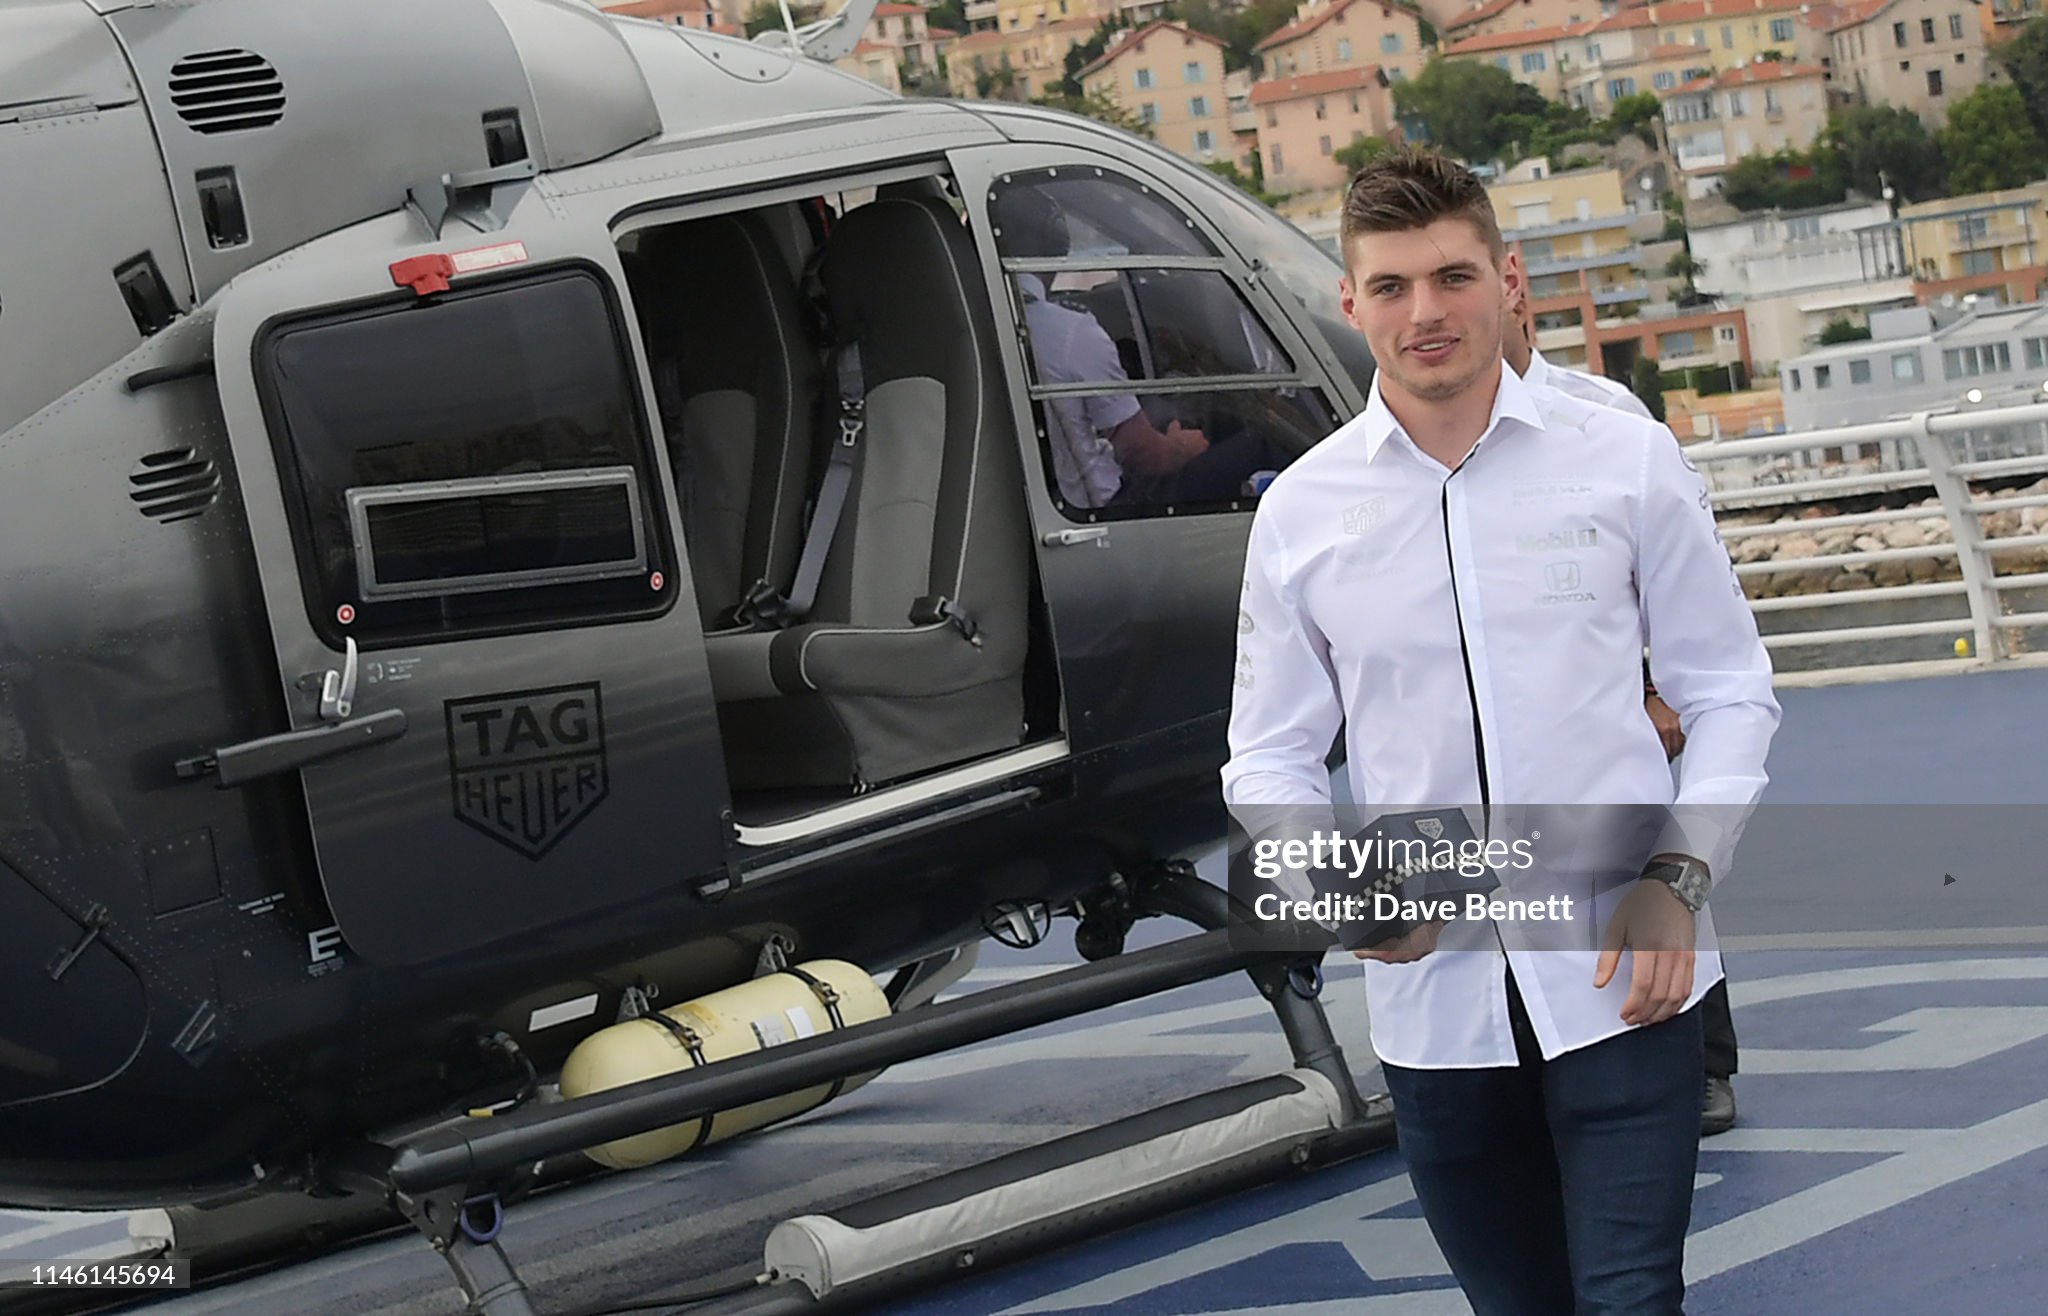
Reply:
x=903, y=29
x=1622, y=56
x=1529, y=57
x=1792, y=272
x=1595, y=274
x=1920, y=359
x=874, y=62
x=1497, y=16
x=1922, y=54
x=1994, y=244
x=1741, y=31
x=1171, y=78
x=1337, y=34
x=1014, y=65
x=1758, y=109
x=1581, y=246
x=1303, y=121
x=699, y=14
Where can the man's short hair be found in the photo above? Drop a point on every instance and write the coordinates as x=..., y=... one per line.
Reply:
x=1408, y=188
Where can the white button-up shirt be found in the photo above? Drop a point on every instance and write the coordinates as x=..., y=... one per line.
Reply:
x=1572, y=537
x=1584, y=386
x=1069, y=347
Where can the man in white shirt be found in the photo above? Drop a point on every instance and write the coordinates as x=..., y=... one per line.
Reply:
x=1717, y=1019
x=1464, y=579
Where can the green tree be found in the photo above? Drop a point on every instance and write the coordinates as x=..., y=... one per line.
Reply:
x=2025, y=61
x=1770, y=56
x=1789, y=180
x=1462, y=103
x=1888, y=139
x=1639, y=108
x=1082, y=54
x=1248, y=184
x=1683, y=266
x=1361, y=151
x=1843, y=330
x=949, y=14
x=1648, y=385
x=1990, y=142
x=764, y=16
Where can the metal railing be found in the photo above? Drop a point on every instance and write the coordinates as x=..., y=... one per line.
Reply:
x=1872, y=603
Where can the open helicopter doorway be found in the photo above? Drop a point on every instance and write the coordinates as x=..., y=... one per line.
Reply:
x=849, y=485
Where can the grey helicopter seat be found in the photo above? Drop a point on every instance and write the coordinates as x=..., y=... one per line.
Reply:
x=737, y=378
x=912, y=655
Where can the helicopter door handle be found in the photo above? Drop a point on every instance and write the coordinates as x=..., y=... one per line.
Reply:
x=1092, y=534
x=253, y=760
x=338, y=689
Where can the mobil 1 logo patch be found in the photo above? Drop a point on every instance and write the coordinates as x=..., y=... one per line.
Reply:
x=528, y=765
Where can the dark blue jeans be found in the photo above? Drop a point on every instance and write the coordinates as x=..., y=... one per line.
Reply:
x=1561, y=1187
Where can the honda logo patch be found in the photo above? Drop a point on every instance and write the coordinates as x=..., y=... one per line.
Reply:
x=528, y=765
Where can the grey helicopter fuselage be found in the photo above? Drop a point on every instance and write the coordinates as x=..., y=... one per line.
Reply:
x=209, y=972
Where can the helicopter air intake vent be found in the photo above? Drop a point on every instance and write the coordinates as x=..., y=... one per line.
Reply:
x=174, y=485
x=226, y=91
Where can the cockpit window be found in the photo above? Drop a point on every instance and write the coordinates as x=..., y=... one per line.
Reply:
x=477, y=462
x=1107, y=215
x=1156, y=387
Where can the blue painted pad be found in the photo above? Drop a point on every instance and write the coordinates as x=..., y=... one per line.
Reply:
x=1833, y=1195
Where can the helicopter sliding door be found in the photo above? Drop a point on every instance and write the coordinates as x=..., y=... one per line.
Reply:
x=499, y=701
x=1157, y=389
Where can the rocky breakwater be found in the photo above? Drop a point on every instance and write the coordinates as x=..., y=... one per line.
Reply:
x=1921, y=523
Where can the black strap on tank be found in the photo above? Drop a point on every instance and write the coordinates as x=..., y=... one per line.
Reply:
x=828, y=996
x=687, y=1037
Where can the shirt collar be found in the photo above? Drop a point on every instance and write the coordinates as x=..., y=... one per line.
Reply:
x=1032, y=286
x=1538, y=371
x=1514, y=399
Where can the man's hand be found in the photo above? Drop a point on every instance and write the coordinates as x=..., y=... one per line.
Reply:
x=1417, y=942
x=1665, y=718
x=1184, y=444
x=1655, y=924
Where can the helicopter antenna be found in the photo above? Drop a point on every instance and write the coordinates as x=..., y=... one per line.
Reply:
x=828, y=39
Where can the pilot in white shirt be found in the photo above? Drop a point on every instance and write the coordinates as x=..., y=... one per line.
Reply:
x=1470, y=604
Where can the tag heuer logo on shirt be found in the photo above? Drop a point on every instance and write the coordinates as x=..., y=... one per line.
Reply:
x=1366, y=515
x=1433, y=828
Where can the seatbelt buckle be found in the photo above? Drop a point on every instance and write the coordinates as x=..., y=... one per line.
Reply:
x=938, y=608
x=763, y=608
x=852, y=420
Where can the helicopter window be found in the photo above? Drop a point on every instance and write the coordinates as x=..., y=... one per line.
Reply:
x=1158, y=388
x=1106, y=215
x=477, y=463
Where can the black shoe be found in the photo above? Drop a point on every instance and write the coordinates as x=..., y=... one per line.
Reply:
x=1717, y=1106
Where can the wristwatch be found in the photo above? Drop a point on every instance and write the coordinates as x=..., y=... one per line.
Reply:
x=1687, y=877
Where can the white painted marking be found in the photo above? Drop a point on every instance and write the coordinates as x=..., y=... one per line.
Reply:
x=562, y=1012
x=801, y=1022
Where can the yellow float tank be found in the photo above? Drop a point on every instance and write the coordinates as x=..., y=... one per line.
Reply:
x=738, y=1021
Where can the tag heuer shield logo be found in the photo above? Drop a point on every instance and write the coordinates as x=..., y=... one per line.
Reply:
x=1433, y=828
x=528, y=765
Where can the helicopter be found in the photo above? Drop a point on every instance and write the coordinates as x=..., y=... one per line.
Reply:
x=512, y=518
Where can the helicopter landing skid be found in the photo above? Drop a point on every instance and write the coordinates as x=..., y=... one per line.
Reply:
x=434, y=1174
